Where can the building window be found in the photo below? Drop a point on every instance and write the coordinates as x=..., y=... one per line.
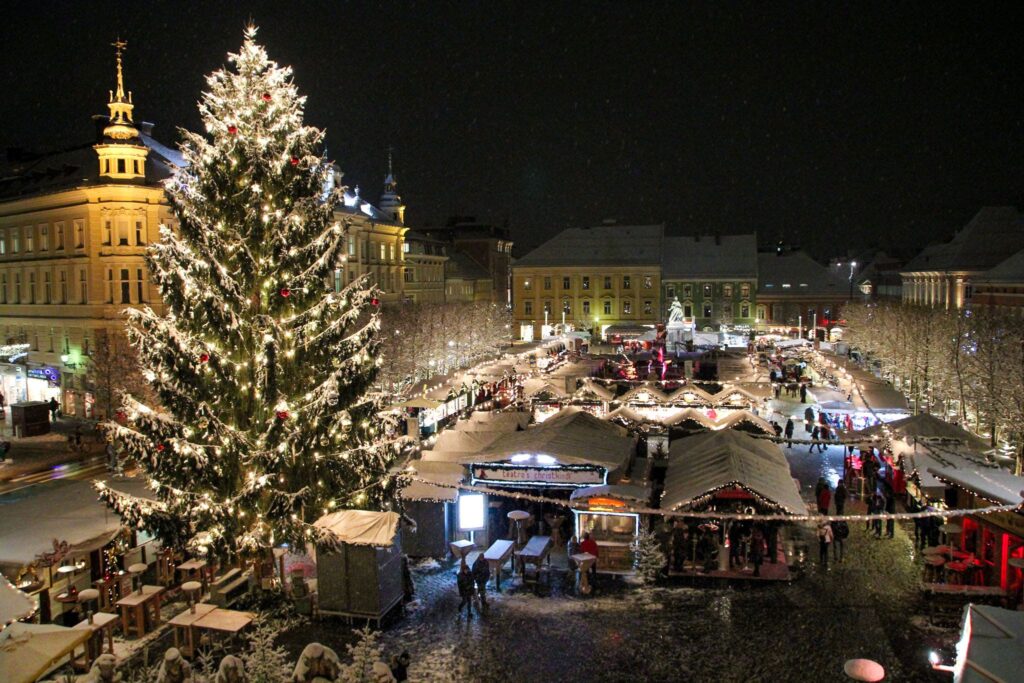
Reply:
x=17, y=288
x=15, y=241
x=3, y=288
x=607, y=307
x=83, y=287
x=687, y=310
x=391, y=252
x=47, y=288
x=745, y=290
x=383, y=251
x=727, y=290
x=762, y=312
x=351, y=245
x=58, y=236
x=126, y=287
x=585, y=282
x=648, y=307
x=528, y=307
x=79, y=234
x=547, y=282
x=566, y=307
x=566, y=282
x=139, y=281
x=121, y=166
x=707, y=310
x=968, y=291
x=744, y=310
x=626, y=282
x=607, y=282
x=31, y=287
x=408, y=275
x=670, y=292
x=63, y=287
x=140, y=238
x=547, y=307
x=527, y=285
x=44, y=238
x=3, y=243
x=627, y=307
x=708, y=290
x=648, y=282
x=405, y=247
x=108, y=232
x=586, y=307
x=29, y=239
x=687, y=291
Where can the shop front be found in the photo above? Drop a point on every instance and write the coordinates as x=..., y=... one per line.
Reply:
x=605, y=512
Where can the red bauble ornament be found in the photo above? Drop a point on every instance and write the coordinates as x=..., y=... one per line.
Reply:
x=375, y=302
x=267, y=97
x=203, y=357
x=282, y=415
x=285, y=292
x=160, y=447
x=232, y=129
x=120, y=416
x=295, y=161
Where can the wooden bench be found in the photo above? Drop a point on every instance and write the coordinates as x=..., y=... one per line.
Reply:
x=228, y=588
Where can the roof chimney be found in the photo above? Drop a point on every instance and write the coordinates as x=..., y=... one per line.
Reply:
x=146, y=128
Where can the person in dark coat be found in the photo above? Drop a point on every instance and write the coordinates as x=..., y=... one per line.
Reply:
x=890, y=507
x=803, y=393
x=400, y=667
x=481, y=574
x=879, y=506
x=757, y=548
x=464, y=580
x=789, y=433
x=840, y=497
x=808, y=418
x=824, y=499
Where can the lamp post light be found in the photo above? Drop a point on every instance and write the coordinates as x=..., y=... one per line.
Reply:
x=853, y=265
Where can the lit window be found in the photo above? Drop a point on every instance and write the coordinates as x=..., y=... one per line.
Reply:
x=566, y=282
x=607, y=307
x=648, y=282
x=528, y=307
x=585, y=283
x=626, y=282
x=586, y=307
x=547, y=282
x=627, y=307
x=648, y=307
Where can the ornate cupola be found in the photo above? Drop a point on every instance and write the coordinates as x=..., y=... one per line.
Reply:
x=122, y=155
x=390, y=202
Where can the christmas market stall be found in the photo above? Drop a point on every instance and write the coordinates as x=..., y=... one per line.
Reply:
x=991, y=645
x=545, y=396
x=605, y=512
x=58, y=540
x=429, y=501
x=731, y=471
x=359, y=572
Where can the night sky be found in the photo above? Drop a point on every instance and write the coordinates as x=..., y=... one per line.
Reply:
x=836, y=126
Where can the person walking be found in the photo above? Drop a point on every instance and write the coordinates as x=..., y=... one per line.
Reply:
x=803, y=393
x=890, y=507
x=814, y=439
x=824, y=541
x=399, y=666
x=757, y=548
x=840, y=496
x=840, y=530
x=54, y=407
x=824, y=497
x=481, y=574
x=808, y=418
x=789, y=433
x=878, y=503
x=464, y=580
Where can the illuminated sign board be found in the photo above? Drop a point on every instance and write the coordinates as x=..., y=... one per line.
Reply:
x=538, y=475
x=472, y=512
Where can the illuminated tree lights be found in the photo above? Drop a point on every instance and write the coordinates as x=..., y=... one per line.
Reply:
x=277, y=422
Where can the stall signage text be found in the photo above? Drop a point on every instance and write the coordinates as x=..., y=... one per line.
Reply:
x=551, y=475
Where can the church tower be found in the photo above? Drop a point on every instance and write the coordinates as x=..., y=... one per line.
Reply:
x=122, y=155
x=390, y=202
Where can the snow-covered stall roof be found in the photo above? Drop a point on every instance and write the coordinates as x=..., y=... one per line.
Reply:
x=65, y=510
x=27, y=651
x=572, y=437
x=690, y=394
x=644, y=394
x=991, y=483
x=537, y=385
x=595, y=388
x=483, y=421
x=707, y=462
x=991, y=647
x=734, y=395
x=361, y=527
x=637, y=494
x=456, y=443
x=14, y=604
x=923, y=427
x=441, y=478
x=689, y=414
x=733, y=419
x=628, y=414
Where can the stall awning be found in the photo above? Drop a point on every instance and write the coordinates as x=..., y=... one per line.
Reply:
x=63, y=510
x=991, y=483
x=27, y=651
x=923, y=427
x=535, y=386
x=702, y=464
x=439, y=481
x=595, y=389
x=361, y=527
x=991, y=647
x=640, y=495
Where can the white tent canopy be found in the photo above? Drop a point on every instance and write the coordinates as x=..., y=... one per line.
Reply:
x=27, y=651
x=923, y=427
x=483, y=421
x=14, y=604
x=689, y=414
x=443, y=477
x=361, y=527
x=537, y=385
x=571, y=437
x=65, y=510
x=596, y=389
x=704, y=463
x=991, y=647
x=733, y=419
x=457, y=442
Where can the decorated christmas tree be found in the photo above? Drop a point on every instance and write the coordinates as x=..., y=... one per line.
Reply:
x=266, y=415
x=648, y=559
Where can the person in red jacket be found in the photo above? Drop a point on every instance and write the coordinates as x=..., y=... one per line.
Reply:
x=824, y=498
x=589, y=545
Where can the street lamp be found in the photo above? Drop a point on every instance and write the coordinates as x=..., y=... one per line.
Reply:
x=853, y=265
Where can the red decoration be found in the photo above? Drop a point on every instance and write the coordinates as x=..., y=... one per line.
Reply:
x=267, y=97
x=285, y=292
x=295, y=161
x=282, y=415
x=232, y=129
x=203, y=357
x=160, y=447
x=120, y=416
x=375, y=302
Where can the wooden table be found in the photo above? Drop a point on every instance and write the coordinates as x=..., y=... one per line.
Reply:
x=535, y=552
x=227, y=621
x=136, y=605
x=183, y=624
x=110, y=590
x=460, y=549
x=497, y=555
x=194, y=566
x=584, y=561
x=101, y=622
